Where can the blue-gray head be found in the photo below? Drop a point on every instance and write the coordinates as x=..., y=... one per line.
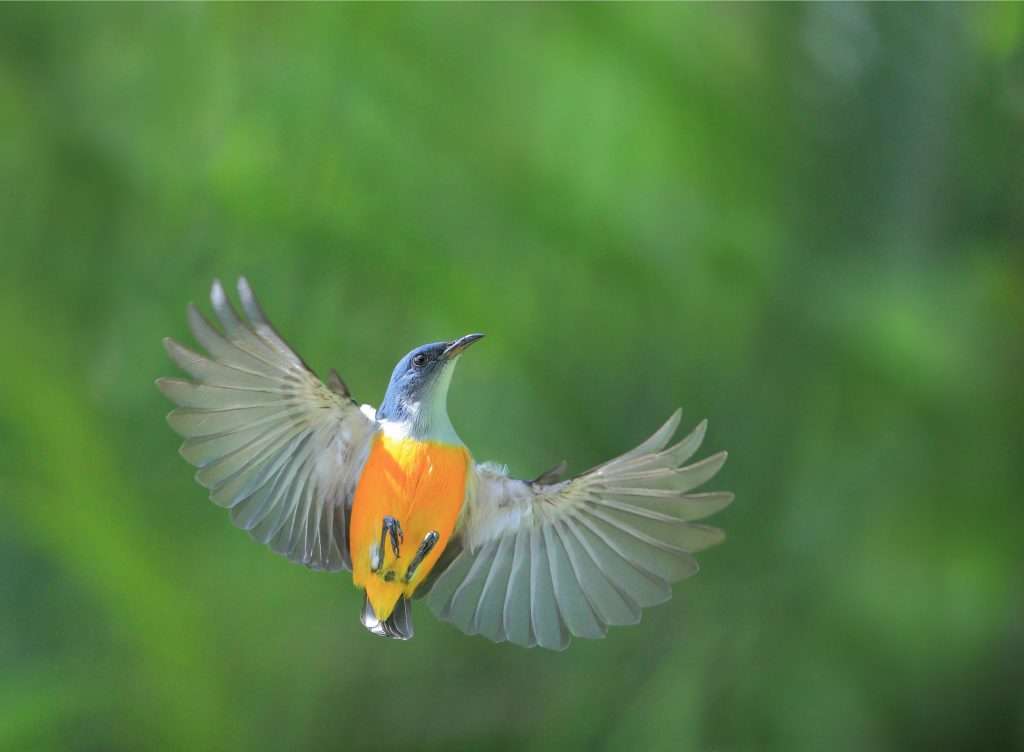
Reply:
x=416, y=402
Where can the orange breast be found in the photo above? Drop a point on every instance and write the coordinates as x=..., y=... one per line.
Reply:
x=422, y=485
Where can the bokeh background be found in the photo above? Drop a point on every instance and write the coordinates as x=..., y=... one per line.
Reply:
x=803, y=222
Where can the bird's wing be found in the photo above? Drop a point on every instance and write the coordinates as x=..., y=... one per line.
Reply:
x=273, y=443
x=542, y=561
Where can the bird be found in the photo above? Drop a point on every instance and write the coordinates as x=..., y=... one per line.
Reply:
x=394, y=496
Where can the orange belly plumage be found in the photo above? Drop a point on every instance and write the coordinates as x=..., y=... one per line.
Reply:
x=422, y=484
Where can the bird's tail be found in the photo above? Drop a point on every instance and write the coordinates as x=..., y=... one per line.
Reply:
x=398, y=626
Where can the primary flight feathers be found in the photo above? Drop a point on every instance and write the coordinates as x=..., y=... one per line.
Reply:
x=272, y=443
x=531, y=563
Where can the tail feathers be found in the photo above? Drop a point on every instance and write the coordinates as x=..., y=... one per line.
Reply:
x=398, y=626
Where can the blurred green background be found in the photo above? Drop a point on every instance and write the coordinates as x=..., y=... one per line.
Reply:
x=803, y=222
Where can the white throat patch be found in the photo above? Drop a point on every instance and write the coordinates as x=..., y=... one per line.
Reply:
x=427, y=419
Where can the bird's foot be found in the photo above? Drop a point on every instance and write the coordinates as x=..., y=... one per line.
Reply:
x=392, y=529
x=425, y=547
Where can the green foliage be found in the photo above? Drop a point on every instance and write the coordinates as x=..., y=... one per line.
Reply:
x=803, y=222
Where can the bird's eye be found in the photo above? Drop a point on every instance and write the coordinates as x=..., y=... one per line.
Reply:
x=419, y=361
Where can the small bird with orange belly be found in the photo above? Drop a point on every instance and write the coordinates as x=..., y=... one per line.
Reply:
x=394, y=495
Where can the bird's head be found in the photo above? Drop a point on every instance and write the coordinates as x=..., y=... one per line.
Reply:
x=416, y=402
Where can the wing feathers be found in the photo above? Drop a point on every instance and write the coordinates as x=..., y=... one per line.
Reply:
x=488, y=619
x=544, y=615
x=609, y=604
x=677, y=480
x=187, y=394
x=549, y=560
x=573, y=605
x=654, y=444
x=516, y=617
x=240, y=473
x=225, y=351
x=444, y=588
x=271, y=441
x=645, y=552
x=464, y=602
x=263, y=327
x=217, y=374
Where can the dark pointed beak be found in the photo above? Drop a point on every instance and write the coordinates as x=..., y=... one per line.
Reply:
x=456, y=347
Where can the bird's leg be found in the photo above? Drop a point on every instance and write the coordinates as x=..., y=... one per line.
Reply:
x=391, y=529
x=425, y=547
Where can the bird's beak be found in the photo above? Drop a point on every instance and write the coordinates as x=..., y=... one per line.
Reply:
x=455, y=348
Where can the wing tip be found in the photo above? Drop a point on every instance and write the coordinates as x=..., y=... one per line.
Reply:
x=165, y=385
x=170, y=420
x=181, y=355
x=181, y=449
x=243, y=286
x=173, y=348
x=674, y=420
x=218, y=297
x=192, y=312
x=716, y=536
x=718, y=459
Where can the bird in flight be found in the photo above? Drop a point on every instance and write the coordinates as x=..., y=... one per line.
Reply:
x=394, y=496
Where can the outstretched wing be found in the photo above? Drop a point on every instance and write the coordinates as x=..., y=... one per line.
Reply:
x=543, y=561
x=273, y=444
